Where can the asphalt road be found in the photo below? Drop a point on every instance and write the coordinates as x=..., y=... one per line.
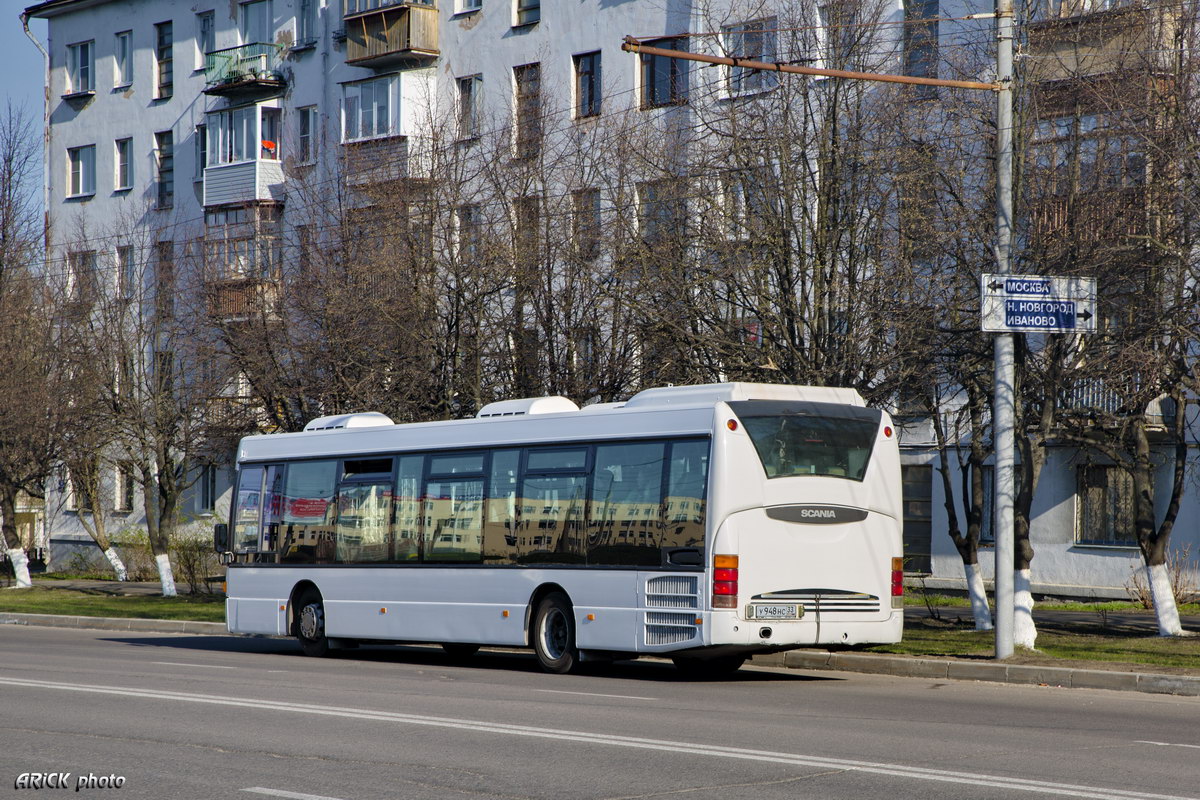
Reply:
x=180, y=716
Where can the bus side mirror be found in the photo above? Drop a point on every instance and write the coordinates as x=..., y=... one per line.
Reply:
x=220, y=537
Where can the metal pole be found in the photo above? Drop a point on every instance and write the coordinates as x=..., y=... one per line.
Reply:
x=1003, y=409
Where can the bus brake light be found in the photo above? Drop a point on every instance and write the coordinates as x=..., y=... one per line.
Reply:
x=897, y=583
x=725, y=581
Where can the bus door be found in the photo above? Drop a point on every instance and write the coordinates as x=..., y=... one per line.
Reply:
x=247, y=514
x=272, y=508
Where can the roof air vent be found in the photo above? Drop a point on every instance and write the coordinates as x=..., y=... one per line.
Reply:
x=367, y=419
x=527, y=405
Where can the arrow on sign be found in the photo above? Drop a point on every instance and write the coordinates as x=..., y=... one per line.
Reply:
x=995, y=285
x=1084, y=315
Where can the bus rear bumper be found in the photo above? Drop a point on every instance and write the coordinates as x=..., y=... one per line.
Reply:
x=728, y=629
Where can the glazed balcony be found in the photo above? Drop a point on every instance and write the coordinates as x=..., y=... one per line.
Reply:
x=235, y=298
x=248, y=69
x=384, y=33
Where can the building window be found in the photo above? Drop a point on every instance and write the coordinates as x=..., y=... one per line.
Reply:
x=585, y=223
x=1104, y=506
x=469, y=223
x=839, y=21
x=206, y=37
x=200, y=157
x=164, y=60
x=306, y=23
x=921, y=43
x=1085, y=153
x=80, y=67
x=917, y=492
x=371, y=109
x=164, y=279
x=231, y=136
x=164, y=168
x=529, y=215
x=127, y=274
x=81, y=171
x=255, y=22
x=123, y=162
x=123, y=50
x=123, y=490
x=529, y=109
x=465, y=6
x=470, y=106
x=206, y=499
x=587, y=85
x=82, y=268
x=753, y=41
x=270, y=133
x=528, y=11
x=660, y=211
x=664, y=79
x=308, y=127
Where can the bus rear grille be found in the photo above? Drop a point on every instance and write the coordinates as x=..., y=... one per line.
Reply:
x=673, y=591
x=664, y=627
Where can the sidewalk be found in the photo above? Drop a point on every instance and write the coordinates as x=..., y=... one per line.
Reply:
x=975, y=669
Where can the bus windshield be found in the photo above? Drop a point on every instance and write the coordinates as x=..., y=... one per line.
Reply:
x=798, y=438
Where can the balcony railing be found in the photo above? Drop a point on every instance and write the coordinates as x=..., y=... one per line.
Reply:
x=246, y=68
x=232, y=299
x=389, y=33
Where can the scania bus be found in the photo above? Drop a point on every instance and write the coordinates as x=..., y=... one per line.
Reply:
x=699, y=523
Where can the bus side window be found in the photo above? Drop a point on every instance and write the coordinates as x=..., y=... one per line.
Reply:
x=306, y=534
x=500, y=517
x=247, y=515
x=683, y=507
x=623, y=524
x=407, y=501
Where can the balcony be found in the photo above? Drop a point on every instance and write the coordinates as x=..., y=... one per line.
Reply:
x=260, y=180
x=378, y=162
x=390, y=32
x=241, y=299
x=1103, y=219
x=248, y=69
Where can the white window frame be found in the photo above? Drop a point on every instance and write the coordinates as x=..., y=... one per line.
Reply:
x=594, y=81
x=81, y=171
x=206, y=36
x=123, y=59
x=164, y=60
x=308, y=130
x=526, y=12
x=353, y=95
x=306, y=23
x=123, y=164
x=753, y=40
x=245, y=21
x=81, y=67
x=468, y=6
x=470, y=106
x=233, y=136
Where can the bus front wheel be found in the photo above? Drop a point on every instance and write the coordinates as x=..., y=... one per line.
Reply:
x=310, y=624
x=554, y=634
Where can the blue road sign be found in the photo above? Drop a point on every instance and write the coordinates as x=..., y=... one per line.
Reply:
x=1046, y=314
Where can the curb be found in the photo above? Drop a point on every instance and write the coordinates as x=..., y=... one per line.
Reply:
x=115, y=623
x=1064, y=677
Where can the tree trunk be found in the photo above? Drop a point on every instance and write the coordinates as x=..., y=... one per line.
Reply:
x=978, y=595
x=117, y=564
x=1024, y=631
x=157, y=533
x=12, y=542
x=165, y=575
x=1152, y=541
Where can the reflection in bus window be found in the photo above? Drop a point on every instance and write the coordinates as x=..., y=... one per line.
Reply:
x=683, y=509
x=453, y=519
x=363, y=522
x=308, y=512
x=500, y=523
x=551, y=517
x=249, y=506
x=408, y=508
x=623, y=523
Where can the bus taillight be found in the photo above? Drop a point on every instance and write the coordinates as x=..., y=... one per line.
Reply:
x=897, y=583
x=725, y=582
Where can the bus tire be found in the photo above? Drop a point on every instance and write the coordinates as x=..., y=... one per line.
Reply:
x=554, y=634
x=310, y=624
x=460, y=651
x=713, y=667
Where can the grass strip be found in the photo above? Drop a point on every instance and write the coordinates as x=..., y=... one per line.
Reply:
x=48, y=600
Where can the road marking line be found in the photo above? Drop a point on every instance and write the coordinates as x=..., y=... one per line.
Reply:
x=291, y=795
x=178, y=664
x=1167, y=744
x=595, y=694
x=661, y=745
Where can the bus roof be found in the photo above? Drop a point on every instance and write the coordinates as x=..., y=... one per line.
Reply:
x=669, y=411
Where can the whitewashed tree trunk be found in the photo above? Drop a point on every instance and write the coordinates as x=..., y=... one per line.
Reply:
x=978, y=595
x=117, y=564
x=1024, y=631
x=1165, y=610
x=20, y=564
x=165, y=575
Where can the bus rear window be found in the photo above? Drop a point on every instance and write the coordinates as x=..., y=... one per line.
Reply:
x=794, y=438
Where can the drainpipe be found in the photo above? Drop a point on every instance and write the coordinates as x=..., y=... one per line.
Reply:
x=45, y=134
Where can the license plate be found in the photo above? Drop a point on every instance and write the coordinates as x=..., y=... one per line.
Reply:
x=775, y=611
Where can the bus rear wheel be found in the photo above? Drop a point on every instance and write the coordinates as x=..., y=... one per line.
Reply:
x=310, y=624
x=714, y=667
x=554, y=634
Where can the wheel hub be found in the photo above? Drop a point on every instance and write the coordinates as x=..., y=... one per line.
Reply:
x=312, y=621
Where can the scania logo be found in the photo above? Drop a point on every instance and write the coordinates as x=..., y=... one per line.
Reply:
x=816, y=515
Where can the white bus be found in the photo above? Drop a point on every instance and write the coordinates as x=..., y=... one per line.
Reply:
x=699, y=523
